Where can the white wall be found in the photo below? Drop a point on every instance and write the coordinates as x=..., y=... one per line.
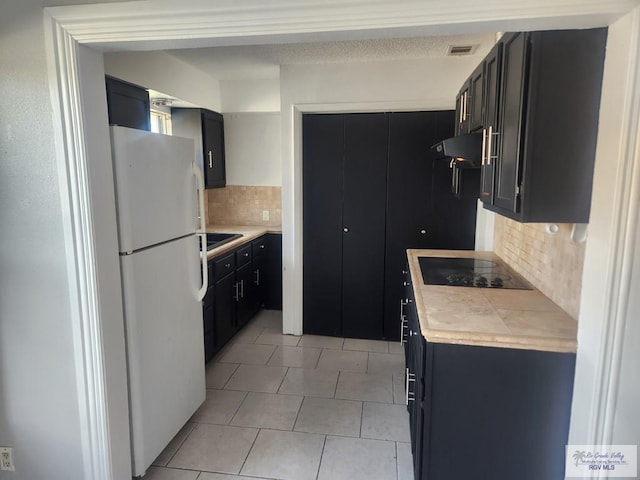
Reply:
x=40, y=416
x=165, y=73
x=427, y=84
x=252, y=149
x=603, y=250
x=250, y=95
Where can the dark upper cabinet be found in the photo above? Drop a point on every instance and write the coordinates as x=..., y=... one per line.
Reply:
x=491, y=100
x=542, y=150
x=206, y=128
x=462, y=109
x=475, y=101
x=507, y=163
x=469, y=103
x=127, y=104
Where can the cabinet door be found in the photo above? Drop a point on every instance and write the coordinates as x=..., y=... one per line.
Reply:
x=475, y=102
x=410, y=170
x=208, y=324
x=273, y=272
x=363, y=228
x=462, y=110
x=225, y=309
x=213, y=146
x=244, y=293
x=259, y=281
x=323, y=141
x=509, y=161
x=128, y=104
x=492, y=69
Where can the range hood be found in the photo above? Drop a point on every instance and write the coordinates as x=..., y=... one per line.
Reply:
x=465, y=149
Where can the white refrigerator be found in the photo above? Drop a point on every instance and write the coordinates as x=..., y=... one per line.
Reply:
x=160, y=213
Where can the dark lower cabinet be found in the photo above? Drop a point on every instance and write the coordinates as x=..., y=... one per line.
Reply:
x=225, y=318
x=372, y=188
x=208, y=319
x=486, y=413
x=273, y=273
x=245, y=308
x=240, y=283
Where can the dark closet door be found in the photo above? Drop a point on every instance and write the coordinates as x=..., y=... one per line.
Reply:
x=409, y=206
x=363, y=224
x=323, y=142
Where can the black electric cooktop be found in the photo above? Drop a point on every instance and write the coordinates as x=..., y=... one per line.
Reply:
x=470, y=272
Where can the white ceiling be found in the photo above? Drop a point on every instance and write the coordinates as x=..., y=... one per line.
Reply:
x=249, y=62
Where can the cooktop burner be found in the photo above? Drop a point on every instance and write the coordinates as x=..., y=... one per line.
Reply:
x=470, y=272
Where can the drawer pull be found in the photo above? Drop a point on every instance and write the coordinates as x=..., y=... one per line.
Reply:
x=409, y=378
x=227, y=265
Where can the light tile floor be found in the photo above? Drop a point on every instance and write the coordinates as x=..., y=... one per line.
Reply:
x=295, y=408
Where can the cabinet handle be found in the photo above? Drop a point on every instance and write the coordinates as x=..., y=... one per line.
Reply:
x=403, y=321
x=210, y=159
x=241, y=288
x=484, y=143
x=261, y=247
x=489, y=142
x=423, y=232
x=227, y=265
x=236, y=296
x=246, y=254
x=345, y=230
x=410, y=377
x=257, y=277
x=490, y=135
x=464, y=107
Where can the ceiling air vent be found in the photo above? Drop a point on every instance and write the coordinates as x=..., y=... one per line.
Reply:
x=461, y=49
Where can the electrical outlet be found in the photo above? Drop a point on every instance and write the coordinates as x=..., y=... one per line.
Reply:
x=6, y=459
x=265, y=215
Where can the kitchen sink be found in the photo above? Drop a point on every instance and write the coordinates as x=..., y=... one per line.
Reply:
x=216, y=239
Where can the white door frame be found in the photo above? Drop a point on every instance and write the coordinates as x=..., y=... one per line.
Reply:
x=161, y=24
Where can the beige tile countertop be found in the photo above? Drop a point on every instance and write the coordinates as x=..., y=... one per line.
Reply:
x=491, y=317
x=249, y=233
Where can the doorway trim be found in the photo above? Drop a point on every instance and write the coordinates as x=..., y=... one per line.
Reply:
x=157, y=25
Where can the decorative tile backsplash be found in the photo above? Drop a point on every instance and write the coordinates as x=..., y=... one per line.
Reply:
x=551, y=262
x=244, y=205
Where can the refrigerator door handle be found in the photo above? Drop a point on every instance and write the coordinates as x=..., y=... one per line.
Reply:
x=201, y=231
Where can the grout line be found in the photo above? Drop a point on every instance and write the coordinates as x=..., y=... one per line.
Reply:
x=293, y=429
x=230, y=376
x=246, y=395
x=272, y=354
x=366, y=370
x=321, y=457
x=282, y=381
x=181, y=444
x=315, y=366
x=335, y=389
x=361, y=418
x=249, y=452
x=397, y=463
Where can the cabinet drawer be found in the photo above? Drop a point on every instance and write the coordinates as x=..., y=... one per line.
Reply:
x=224, y=266
x=243, y=255
x=259, y=246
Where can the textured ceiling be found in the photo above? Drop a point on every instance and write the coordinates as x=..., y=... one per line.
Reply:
x=263, y=61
